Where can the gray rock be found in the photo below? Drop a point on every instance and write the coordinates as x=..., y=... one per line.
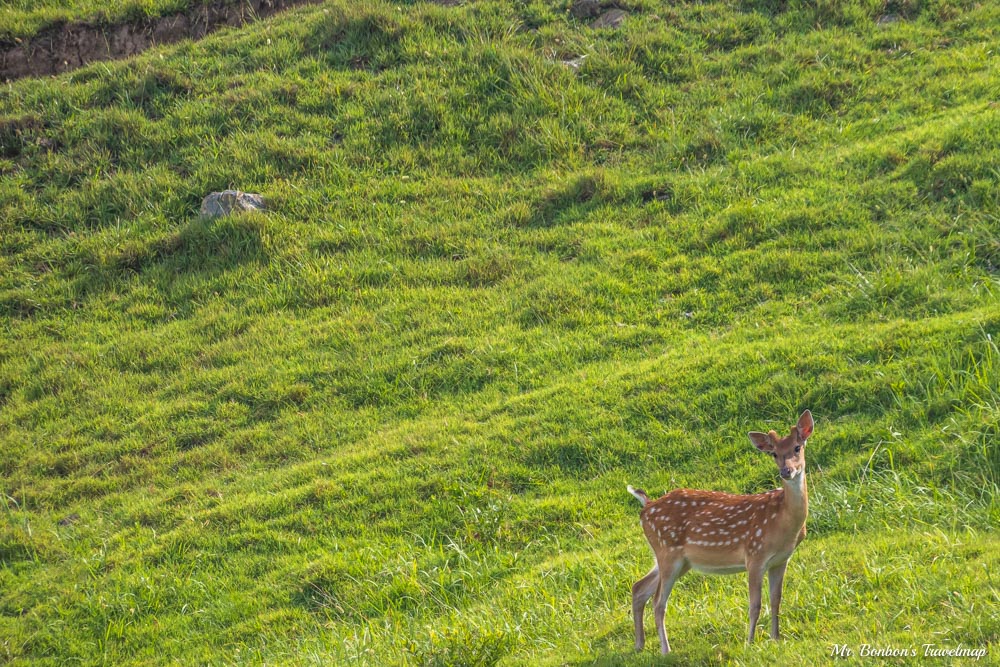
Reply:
x=887, y=19
x=575, y=63
x=609, y=19
x=226, y=202
x=585, y=9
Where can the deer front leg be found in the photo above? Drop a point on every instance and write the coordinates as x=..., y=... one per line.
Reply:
x=775, y=578
x=642, y=590
x=755, y=575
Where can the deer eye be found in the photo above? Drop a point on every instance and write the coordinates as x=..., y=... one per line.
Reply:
x=798, y=448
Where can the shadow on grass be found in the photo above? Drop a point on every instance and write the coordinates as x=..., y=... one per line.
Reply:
x=371, y=42
x=204, y=248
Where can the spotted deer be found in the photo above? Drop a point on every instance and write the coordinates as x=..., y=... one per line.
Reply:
x=722, y=533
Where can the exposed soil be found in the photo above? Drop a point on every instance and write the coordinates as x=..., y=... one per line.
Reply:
x=67, y=46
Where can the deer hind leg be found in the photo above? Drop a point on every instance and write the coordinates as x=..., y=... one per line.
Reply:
x=670, y=571
x=642, y=590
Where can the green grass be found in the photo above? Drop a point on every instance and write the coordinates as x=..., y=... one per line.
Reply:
x=392, y=418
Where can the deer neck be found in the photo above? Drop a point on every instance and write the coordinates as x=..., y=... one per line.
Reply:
x=796, y=496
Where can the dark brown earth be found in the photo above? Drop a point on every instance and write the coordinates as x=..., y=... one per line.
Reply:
x=67, y=46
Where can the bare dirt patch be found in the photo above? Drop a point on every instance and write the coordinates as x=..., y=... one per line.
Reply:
x=67, y=46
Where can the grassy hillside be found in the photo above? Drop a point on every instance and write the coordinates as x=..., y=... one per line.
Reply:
x=392, y=419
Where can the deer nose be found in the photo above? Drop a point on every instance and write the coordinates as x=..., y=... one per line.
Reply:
x=786, y=472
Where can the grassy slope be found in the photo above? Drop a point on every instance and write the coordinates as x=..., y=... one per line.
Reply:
x=393, y=418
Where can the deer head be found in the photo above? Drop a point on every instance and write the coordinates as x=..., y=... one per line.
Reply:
x=789, y=452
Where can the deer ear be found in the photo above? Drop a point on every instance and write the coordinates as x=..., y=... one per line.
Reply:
x=761, y=441
x=805, y=425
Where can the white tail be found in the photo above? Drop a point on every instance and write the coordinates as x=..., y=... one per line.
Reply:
x=721, y=533
x=639, y=494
